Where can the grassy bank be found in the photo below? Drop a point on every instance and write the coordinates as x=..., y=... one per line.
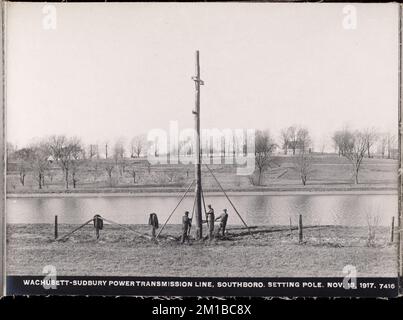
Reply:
x=270, y=251
x=329, y=173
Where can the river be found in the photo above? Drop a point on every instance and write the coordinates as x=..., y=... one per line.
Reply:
x=325, y=209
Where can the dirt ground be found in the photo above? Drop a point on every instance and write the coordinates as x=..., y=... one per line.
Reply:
x=269, y=252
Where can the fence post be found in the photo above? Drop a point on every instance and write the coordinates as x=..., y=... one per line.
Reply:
x=392, y=230
x=300, y=232
x=290, y=226
x=56, y=233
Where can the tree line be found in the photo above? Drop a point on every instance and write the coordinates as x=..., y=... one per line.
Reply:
x=70, y=154
x=354, y=145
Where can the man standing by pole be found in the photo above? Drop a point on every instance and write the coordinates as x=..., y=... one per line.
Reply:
x=186, y=223
x=98, y=224
x=210, y=221
x=223, y=221
x=153, y=222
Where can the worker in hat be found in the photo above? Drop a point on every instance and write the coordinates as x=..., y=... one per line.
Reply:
x=223, y=221
x=98, y=224
x=153, y=222
x=210, y=221
x=186, y=223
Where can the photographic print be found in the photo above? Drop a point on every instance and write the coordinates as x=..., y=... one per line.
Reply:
x=202, y=148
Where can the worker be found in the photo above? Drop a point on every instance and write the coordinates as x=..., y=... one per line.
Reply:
x=223, y=221
x=186, y=223
x=153, y=222
x=98, y=224
x=210, y=221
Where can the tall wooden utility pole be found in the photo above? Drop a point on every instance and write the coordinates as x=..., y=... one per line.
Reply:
x=198, y=191
x=400, y=142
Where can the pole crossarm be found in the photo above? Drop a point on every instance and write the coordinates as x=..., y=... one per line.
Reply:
x=198, y=80
x=229, y=200
x=169, y=217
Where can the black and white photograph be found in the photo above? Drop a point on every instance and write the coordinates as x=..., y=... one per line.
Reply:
x=202, y=148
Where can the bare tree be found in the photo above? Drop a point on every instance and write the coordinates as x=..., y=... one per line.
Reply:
x=386, y=144
x=343, y=140
x=303, y=139
x=93, y=151
x=39, y=159
x=383, y=143
x=371, y=136
x=137, y=146
x=23, y=157
x=95, y=171
x=50, y=174
x=76, y=162
x=22, y=171
x=109, y=167
x=355, y=150
x=285, y=140
x=391, y=144
x=292, y=136
x=303, y=164
x=264, y=147
x=63, y=150
x=295, y=138
x=119, y=156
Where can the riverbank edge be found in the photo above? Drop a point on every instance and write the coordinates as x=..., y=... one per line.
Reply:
x=212, y=192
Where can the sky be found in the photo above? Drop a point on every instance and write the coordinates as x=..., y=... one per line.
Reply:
x=112, y=70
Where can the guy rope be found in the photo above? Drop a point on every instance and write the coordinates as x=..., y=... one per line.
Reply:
x=65, y=237
x=229, y=200
x=76, y=229
x=169, y=217
x=199, y=202
x=199, y=196
x=127, y=228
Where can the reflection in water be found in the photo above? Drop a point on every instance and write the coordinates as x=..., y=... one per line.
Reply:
x=349, y=210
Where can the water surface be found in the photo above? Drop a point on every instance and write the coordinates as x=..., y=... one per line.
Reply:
x=346, y=210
